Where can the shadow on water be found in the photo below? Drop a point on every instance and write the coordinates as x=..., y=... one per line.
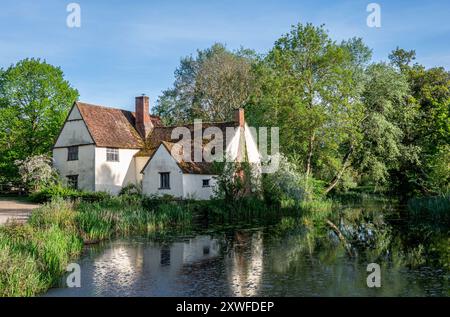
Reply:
x=298, y=256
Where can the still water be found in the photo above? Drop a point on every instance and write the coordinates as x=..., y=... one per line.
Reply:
x=281, y=259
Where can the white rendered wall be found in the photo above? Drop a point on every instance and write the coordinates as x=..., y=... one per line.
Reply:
x=162, y=162
x=74, y=114
x=83, y=167
x=140, y=162
x=112, y=176
x=193, y=186
x=74, y=132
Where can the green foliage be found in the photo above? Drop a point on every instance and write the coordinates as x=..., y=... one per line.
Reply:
x=45, y=251
x=37, y=172
x=46, y=194
x=353, y=123
x=118, y=217
x=34, y=255
x=19, y=274
x=34, y=101
x=58, y=212
x=236, y=180
x=130, y=189
x=428, y=133
x=310, y=87
x=384, y=101
x=208, y=86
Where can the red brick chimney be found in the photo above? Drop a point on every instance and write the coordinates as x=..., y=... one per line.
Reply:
x=239, y=117
x=143, y=122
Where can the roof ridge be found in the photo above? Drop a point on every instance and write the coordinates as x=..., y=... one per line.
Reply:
x=112, y=108
x=100, y=106
x=191, y=124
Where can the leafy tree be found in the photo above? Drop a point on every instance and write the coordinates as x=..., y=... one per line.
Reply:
x=342, y=116
x=308, y=86
x=209, y=86
x=401, y=58
x=385, y=109
x=428, y=132
x=34, y=101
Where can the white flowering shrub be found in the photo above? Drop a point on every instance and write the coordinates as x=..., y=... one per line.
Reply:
x=37, y=172
x=287, y=183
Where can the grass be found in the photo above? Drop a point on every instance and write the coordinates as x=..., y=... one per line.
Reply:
x=33, y=256
x=20, y=275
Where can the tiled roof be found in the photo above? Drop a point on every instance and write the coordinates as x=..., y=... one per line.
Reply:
x=110, y=127
x=162, y=135
x=205, y=168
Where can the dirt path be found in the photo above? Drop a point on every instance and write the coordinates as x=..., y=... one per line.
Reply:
x=11, y=208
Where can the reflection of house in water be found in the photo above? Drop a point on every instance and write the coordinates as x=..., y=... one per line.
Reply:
x=149, y=267
x=246, y=263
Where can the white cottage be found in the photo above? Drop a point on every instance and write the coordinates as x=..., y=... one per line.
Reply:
x=104, y=149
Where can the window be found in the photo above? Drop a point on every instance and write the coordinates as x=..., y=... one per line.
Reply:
x=72, y=181
x=72, y=153
x=165, y=256
x=112, y=155
x=206, y=183
x=164, y=180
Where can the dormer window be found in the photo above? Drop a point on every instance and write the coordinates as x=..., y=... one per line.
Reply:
x=112, y=155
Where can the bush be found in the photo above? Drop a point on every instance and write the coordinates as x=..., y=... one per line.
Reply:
x=236, y=180
x=37, y=172
x=46, y=194
x=288, y=183
x=130, y=190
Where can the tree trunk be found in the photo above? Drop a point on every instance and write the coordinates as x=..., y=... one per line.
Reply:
x=310, y=153
x=341, y=236
x=338, y=176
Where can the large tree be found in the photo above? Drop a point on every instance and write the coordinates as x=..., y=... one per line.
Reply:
x=428, y=132
x=385, y=111
x=208, y=86
x=309, y=87
x=340, y=115
x=34, y=101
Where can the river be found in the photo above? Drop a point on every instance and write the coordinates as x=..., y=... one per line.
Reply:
x=285, y=258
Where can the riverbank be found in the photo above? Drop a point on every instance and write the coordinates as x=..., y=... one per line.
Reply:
x=34, y=256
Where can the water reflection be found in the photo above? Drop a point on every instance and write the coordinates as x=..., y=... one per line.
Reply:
x=293, y=258
x=245, y=263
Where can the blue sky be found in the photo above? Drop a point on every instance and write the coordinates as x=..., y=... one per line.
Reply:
x=126, y=48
